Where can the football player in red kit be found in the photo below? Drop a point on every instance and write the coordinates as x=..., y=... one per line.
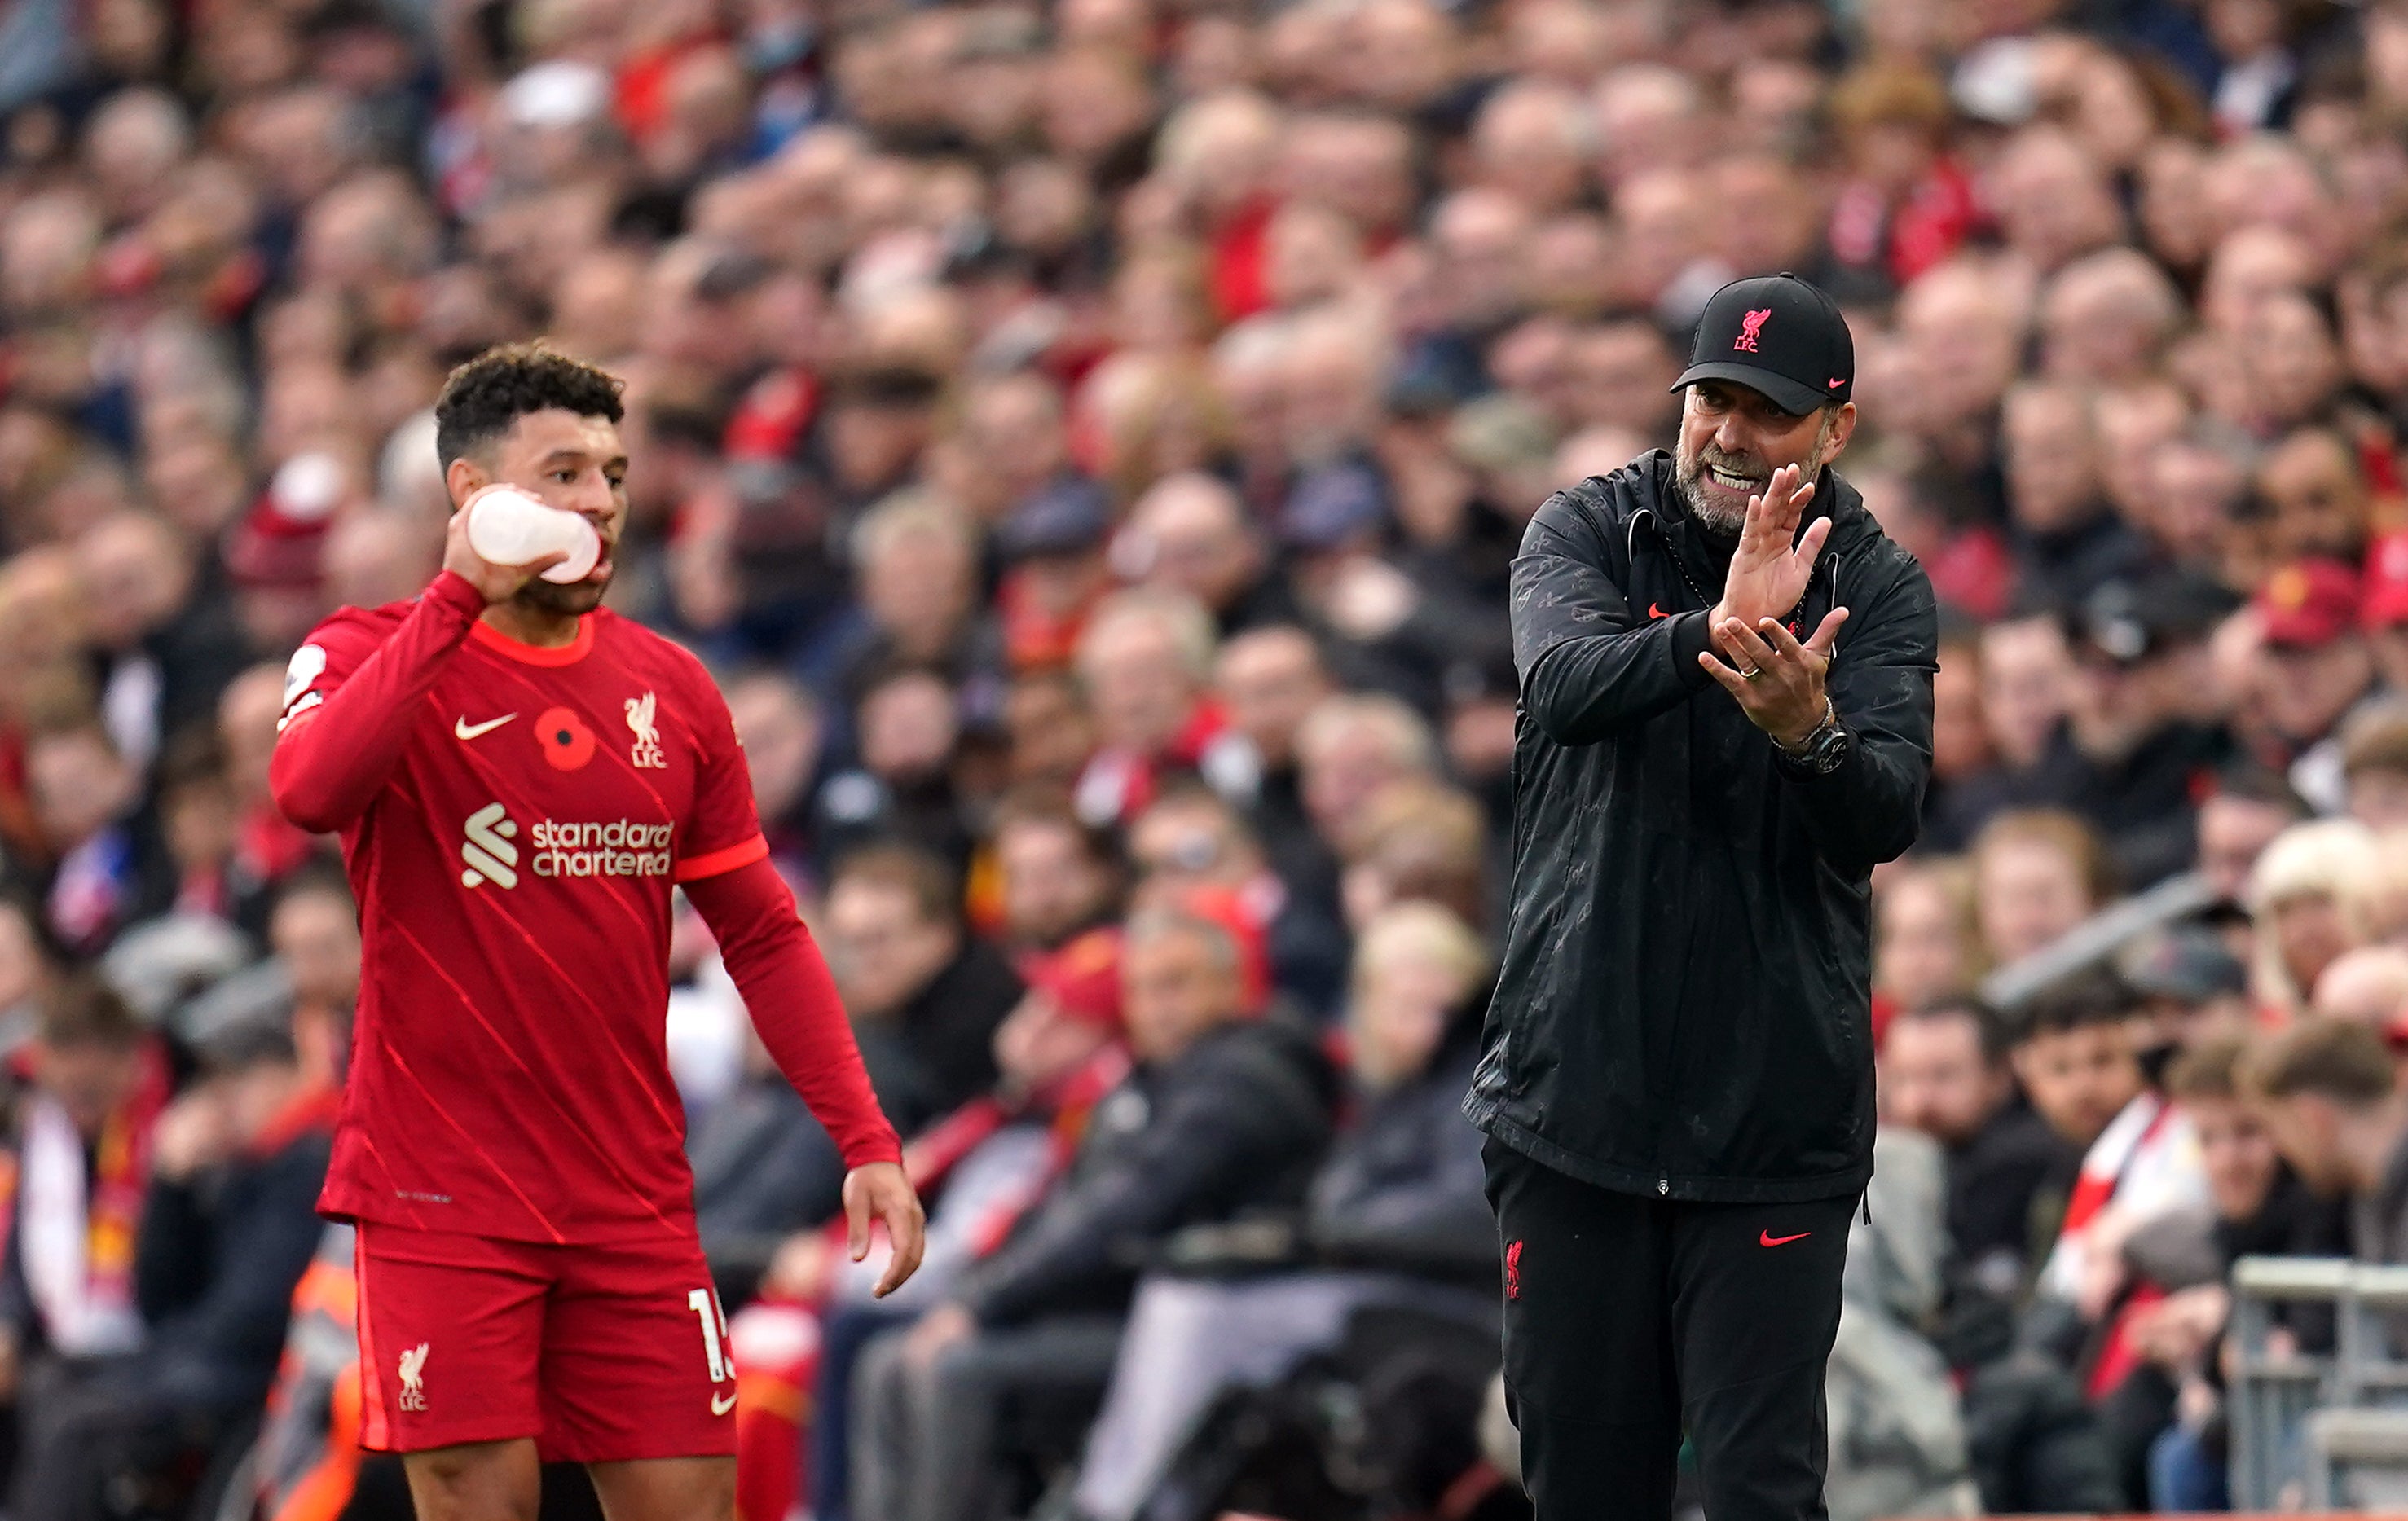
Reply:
x=521, y=777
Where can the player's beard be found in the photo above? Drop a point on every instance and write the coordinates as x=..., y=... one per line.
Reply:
x=552, y=599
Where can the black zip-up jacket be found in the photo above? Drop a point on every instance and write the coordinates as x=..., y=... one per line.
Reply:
x=1234, y=1124
x=1682, y=1008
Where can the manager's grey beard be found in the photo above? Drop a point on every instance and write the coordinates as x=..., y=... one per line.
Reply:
x=1721, y=521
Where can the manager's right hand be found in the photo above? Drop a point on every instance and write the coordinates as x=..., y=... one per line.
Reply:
x=1768, y=573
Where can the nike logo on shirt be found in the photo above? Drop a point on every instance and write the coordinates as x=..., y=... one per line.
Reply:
x=1765, y=1238
x=462, y=729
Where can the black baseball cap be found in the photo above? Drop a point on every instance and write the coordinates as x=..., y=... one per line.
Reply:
x=1778, y=334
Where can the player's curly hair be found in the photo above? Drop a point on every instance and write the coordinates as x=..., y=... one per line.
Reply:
x=482, y=398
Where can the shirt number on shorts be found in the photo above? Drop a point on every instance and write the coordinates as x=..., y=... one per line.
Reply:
x=705, y=1305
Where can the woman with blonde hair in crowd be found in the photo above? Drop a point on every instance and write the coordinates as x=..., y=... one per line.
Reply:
x=2382, y=897
x=2308, y=896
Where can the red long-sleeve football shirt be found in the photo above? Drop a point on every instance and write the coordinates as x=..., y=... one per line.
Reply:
x=514, y=820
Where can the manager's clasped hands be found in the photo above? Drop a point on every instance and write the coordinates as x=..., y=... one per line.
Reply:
x=1777, y=681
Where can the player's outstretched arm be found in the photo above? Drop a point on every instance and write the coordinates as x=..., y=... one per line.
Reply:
x=794, y=1005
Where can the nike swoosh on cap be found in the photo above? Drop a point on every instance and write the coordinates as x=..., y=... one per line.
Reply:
x=462, y=729
x=1654, y=611
x=1837, y=384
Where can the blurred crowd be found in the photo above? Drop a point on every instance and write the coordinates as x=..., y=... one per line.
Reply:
x=1088, y=441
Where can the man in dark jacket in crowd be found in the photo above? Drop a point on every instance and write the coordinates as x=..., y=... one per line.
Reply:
x=1395, y=1217
x=1227, y=1113
x=229, y=1226
x=1678, y=1090
x=925, y=995
x=2138, y=752
x=1944, y=1072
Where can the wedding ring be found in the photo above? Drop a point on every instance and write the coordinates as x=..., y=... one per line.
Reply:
x=1751, y=672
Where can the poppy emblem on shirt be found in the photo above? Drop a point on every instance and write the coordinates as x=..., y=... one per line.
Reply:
x=567, y=741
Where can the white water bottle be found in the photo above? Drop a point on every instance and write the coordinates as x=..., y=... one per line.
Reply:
x=507, y=527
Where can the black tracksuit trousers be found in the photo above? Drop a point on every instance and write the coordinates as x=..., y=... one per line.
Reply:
x=1630, y=1320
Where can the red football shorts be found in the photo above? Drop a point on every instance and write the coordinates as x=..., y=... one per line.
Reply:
x=601, y=1353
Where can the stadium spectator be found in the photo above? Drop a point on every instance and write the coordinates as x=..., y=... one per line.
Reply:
x=1059, y=1052
x=1191, y=837
x=2374, y=766
x=2369, y=985
x=2076, y=1064
x=2259, y=1208
x=2138, y=744
x=2307, y=899
x=1944, y=1072
x=1396, y=1216
x=1230, y=1113
x=925, y=996
x=781, y=728
x=1060, y=875
x=227, y=1229
x=81, y=1165
x=2036, y=874
x=1924, y=945
x=113, y=866
x=1189, y=534
x=2332, y=1100
x=1269, y=680
x=1144, y=660
x=2245, y=812
x=2317, y=671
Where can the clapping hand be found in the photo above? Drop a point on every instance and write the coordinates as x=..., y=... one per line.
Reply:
x=1768, y=572
x=1778, y=683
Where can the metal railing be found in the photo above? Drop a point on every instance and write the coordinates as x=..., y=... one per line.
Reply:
x=2326, y=1430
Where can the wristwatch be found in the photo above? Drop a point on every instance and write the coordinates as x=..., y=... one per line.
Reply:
x=1820, y=753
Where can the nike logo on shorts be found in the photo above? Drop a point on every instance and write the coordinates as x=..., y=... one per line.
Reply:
x=722, y=1404
x=1765, y=1238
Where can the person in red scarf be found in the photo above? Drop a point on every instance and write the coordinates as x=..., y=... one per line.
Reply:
x=1060, y=1050
x=267, y=846
x=227, y=1225
x=73, y=1199
x=1905, y=206
x=1223, y=1114
x=1146, y=662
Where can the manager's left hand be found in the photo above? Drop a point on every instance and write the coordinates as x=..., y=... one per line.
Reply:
x=1777, y=681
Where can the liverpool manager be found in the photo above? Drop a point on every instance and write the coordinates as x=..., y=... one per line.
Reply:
x=1725, y=725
